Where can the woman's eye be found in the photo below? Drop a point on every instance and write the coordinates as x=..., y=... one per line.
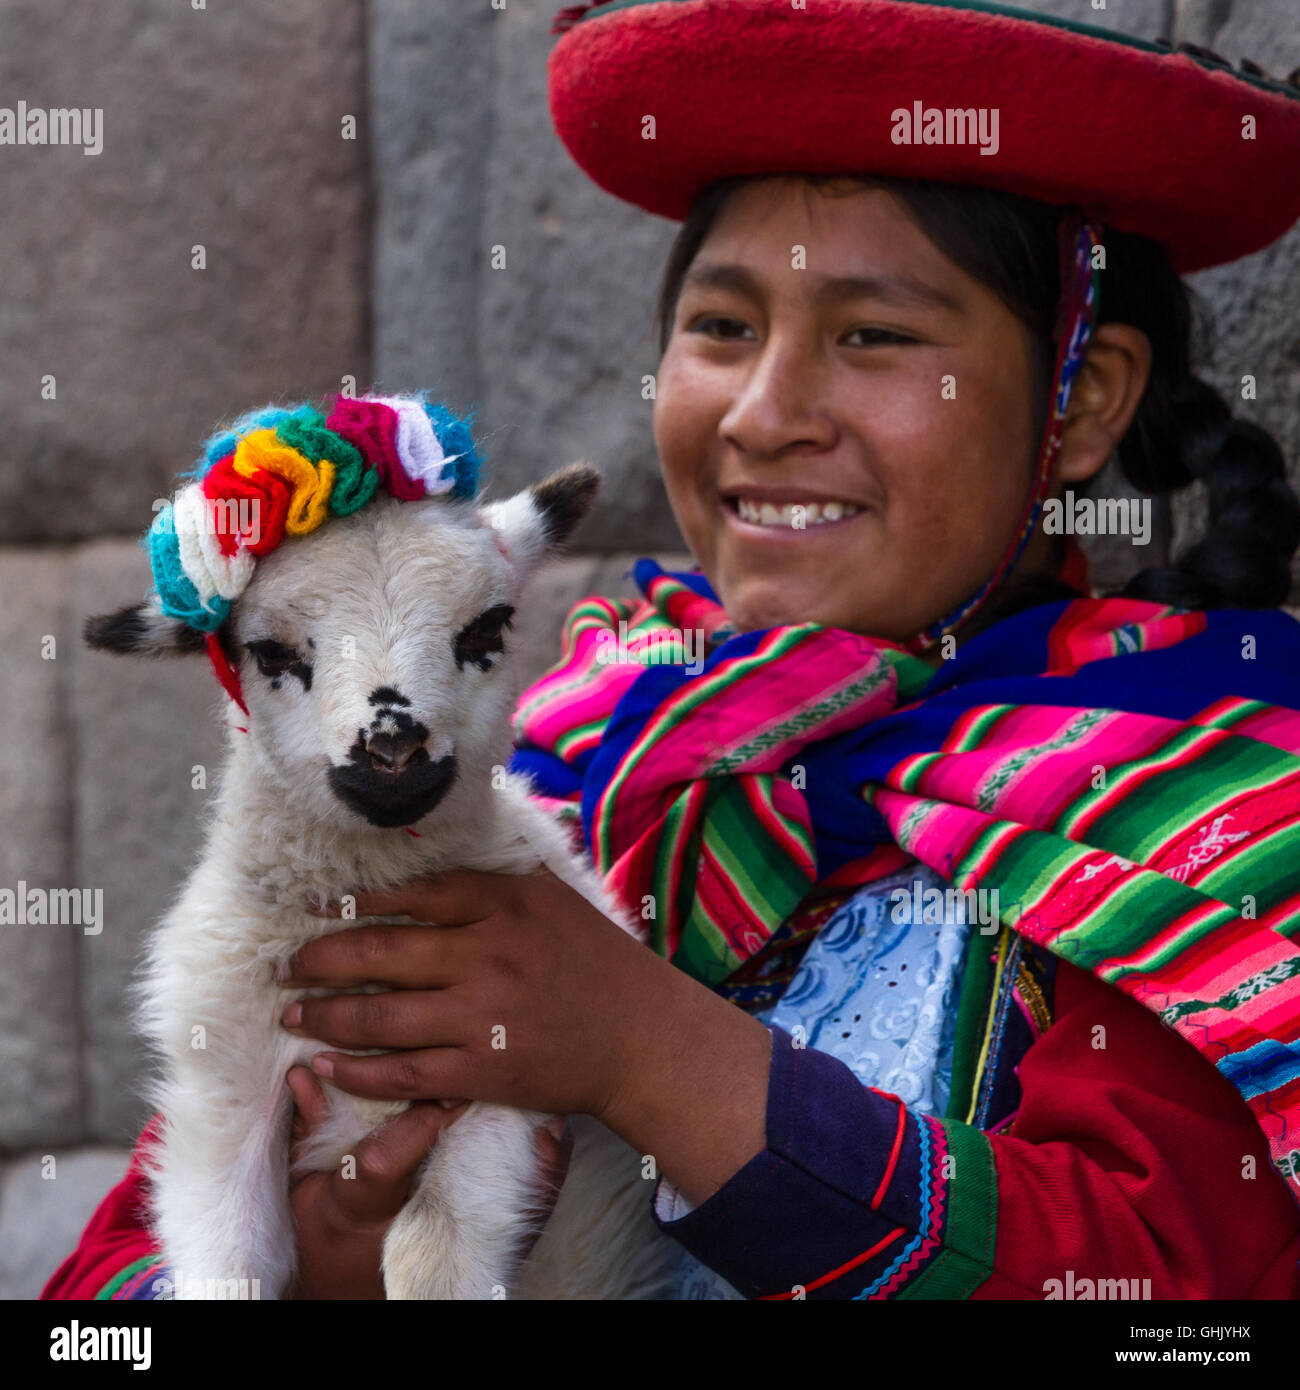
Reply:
x=478, y=640
x=874, y=337
x=273, y=658
x=881, y=337
x=700, y=327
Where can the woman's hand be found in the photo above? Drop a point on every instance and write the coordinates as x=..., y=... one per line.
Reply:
x=513, y=988
x=340, y=1223
x=520, y=994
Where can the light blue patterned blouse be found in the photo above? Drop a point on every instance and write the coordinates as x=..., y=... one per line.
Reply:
x=880, y=994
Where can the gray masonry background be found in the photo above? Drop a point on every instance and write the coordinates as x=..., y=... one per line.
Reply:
x=326, y=258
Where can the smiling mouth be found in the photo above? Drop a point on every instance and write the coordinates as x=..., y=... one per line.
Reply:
x=793, y=518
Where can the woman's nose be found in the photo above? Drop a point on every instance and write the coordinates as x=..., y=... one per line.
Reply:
x=780, y=403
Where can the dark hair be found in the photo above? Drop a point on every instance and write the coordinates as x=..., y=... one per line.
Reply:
x=1183, y=431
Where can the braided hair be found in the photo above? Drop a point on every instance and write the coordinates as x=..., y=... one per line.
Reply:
x=1183, y=431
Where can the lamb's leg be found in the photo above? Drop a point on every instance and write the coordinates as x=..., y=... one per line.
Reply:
x=221, y=1202
x=461, y=1233
x=601, y=1241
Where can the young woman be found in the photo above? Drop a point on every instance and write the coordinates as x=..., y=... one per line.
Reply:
x=855, y=1080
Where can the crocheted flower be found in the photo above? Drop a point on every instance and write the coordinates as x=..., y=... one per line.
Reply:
x=259, y=505
x=280, y=472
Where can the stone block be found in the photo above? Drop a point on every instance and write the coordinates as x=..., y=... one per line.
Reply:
x=40, y=1034
x=504, y=278
x=143, y=727
x=1250, y=309
x=44, y=1208
x=222, y=128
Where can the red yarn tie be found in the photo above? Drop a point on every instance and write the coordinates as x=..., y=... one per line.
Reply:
x=226, y=673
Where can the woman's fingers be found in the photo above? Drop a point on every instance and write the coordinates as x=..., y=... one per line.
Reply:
x=554, y=1142
x=396, y=954
x=418, y=1074
x=455, y=897
x=374, y=1181
x=553, y=1145
x=376, y=1185
x=310, y=1106
x=393, y=1019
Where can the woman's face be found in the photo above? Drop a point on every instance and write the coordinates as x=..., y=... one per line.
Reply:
x=853, y=454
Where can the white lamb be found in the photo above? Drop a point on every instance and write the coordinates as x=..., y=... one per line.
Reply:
x=379, y=688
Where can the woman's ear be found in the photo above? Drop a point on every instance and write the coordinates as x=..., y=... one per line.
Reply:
x=1104, y=399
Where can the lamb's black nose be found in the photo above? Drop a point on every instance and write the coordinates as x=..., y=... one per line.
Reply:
x=396, y=752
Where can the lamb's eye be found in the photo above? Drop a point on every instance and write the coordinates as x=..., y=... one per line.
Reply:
x=476, y=641
x=273, y=658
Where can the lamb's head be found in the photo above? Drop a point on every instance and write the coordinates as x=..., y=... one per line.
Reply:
x=373, y=657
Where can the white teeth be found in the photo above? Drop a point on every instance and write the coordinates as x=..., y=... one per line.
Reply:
x=809, y=513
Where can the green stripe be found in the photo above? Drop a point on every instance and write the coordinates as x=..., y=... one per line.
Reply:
x=685, y=701
x=1115, y=791
x=972, y=1009
x=970, y=1232
x=660, y=881
x=767, y=877
x=1023, y=869
x=978, y=728
x=590, y=612
x=1146, y=902
x=1174, y=800
x=571, y=737
x=134, y=1268
x=552, y=694
x=764, y=876
x=1121, y=923
x=1269, y=870
x=704, y=954
x=910, y=781
x=1239, y=712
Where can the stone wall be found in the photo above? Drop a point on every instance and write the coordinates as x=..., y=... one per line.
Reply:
x=227, y=128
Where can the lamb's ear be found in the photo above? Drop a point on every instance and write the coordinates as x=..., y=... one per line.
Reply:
x=537, y=521
x=142, y=629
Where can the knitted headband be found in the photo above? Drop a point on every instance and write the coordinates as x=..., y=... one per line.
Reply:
x=283, y=471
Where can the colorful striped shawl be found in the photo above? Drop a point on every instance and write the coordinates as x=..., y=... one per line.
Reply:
x=1126, y=776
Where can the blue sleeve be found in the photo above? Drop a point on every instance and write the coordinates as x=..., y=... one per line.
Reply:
x=854, y=1195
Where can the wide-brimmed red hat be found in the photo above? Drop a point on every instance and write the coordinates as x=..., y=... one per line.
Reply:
x=1175, y=146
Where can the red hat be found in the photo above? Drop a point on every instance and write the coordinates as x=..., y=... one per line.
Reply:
x=1175, y=146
